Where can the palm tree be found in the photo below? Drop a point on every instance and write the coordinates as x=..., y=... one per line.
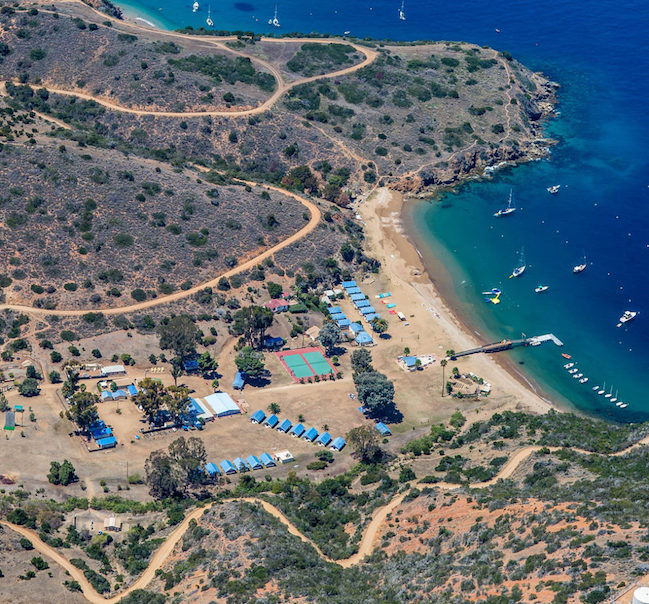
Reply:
x=443, y=363
x=274, y=408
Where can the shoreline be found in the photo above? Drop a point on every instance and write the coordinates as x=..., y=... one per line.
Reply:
x=406, y=268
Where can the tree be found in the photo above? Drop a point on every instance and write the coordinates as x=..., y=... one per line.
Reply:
x=457, y=420
x=180, y=335
x=169, y=473
x=364, y=441
x=251, y=322
x=32, y=373
x=178, y=401
x=275, y=290
x=375, y=391
x=3, y=403
x=55, y=377
x=329, y=336
x=361, y=361
x=250, y=361
x=176, y=369
x=443, y=363
x=83, y=409
x=274, y=408
x=62, y=473
x=380, y=326
x=152, y=397
x=29, y=387
x=207, y=364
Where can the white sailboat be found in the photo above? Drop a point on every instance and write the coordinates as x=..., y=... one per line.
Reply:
x=609, y=394
x=520, y=269
x=402, y=14
x=510, y=209
x=602, y=390
x=614, y=399
x=274, y=21
x=209, y=21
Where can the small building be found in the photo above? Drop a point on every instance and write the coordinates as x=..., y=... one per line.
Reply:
x=212, y=469
x=272, y=421
x=107, y=395
x=342, y=323
x=297, y=431
x=355, y=329
x=190, y=365
x=254, y=462
x=338, y=444
x=310, y=435
x=369, y=318
x=285, y=426
x=111, y=370
x=337, y=316
x=362, y=304
x=358, y=297
x=227, y=467
x=348, y=284
x=367, y=310
x=409, y=363
x=273, y=343
x=119, y=395
x=199, y=410
x=222, y=404
x=132, y=390
x=112, y=524
x=383, y=429
x=278, y=305
x=239, y=380
x=107, y=442
x=241, y=465
x=313, y=332
x=354, y=290
x=267, y=460
x=323, y=440
x=332, y=310
x=257, y=417
x=364, y=339
x=284, y=457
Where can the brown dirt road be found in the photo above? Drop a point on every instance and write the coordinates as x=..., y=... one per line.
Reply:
x=365, y=547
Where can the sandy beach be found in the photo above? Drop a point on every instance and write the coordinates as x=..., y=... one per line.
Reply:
x=428, y=314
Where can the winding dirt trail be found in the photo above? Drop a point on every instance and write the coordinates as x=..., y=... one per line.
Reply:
x=366, y=545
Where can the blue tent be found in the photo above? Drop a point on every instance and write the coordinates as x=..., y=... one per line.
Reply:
x=240, y=465
x=227, y=467
x=267, y=460
x=254, y=462
x=338, y=444
x=371, y=317
x=334, y=309
x=257, y=417
x=119, y=394
x=356, y=327
x=383, y=429
x=106, y=395
x=368, y=310
x=99, y=433
x=239, y=380
x=273, y=342
x=409, y=361
x=107, y=443
x=272, y=421
x=344, y=323
x=297, y=431
x=356, y=297
x=310, y=434
x=362, y=304
x=353, y=290
x=190, y=365
x=285, y=426
x=132, y=390
x=347, y=284
x=324, y=439
x=338, y=315
x=364, y=338
x=212, y=469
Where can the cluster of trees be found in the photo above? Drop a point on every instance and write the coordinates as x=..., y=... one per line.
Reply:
x=154, y=397
x=170, y=473
x=251, y=323
x=83, y=409
x=329, y=336
x=30, y=385
x=62, y=473
x=375, y=390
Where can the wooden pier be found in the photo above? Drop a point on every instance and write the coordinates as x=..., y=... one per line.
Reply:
x=509, y=344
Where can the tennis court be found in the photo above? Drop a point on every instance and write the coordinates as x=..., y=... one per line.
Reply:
x=305, y=363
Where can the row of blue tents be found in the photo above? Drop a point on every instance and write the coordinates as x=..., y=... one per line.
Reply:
x=252, y=462
x=298, y=431
x=103, y=435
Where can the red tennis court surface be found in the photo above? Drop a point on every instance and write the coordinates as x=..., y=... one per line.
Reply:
x=305, y=363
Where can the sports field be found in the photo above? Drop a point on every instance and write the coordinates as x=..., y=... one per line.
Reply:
x=305, y=363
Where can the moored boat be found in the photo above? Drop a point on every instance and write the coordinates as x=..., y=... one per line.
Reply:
x=628, y=315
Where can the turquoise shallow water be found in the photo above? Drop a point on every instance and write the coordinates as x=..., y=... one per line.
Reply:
x=599, y=52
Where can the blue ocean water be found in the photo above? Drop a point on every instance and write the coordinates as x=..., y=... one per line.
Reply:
x=599, y=53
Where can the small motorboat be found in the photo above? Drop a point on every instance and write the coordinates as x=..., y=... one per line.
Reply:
x=624, y=406
x=595, y=387
x=573, y=371
x=195, y=7
x=578, y=376
x=554, y=189
x=583, y=380
x=568, y=365
x=541, y=288
x=628, y=315
x=565, y=355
